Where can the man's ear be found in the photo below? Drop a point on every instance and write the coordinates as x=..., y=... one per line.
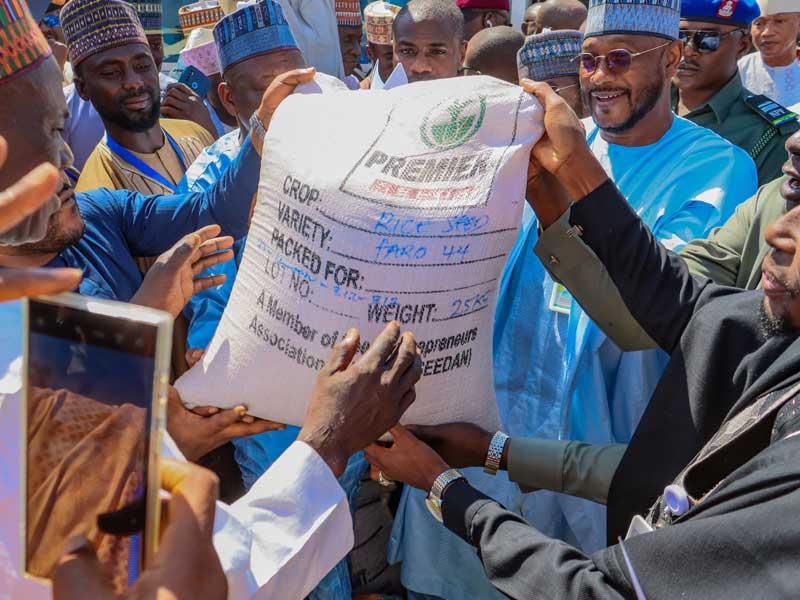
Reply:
x=226, y=97
x=672, y=57
x=745, y=43
x=463, y=52
x=371, y=54
x=80, y=85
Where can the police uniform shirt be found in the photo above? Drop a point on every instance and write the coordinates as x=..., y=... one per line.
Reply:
x=728, y=114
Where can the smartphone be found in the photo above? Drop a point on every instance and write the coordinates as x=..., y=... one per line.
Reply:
x=94, y=388
x=197, y=81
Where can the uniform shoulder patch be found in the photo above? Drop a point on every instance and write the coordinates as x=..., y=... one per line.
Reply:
x=769, y=110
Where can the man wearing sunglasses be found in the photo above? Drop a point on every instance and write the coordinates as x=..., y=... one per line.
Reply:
x=708, y=87
x=682, y=180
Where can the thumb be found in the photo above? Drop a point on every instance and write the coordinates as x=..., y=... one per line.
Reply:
x=344, y=351
x=401, y=435
x=79, y=575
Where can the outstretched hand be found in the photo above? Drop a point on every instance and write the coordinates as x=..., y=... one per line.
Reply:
x=197, y=432
x=353, y=404
x=172, y=280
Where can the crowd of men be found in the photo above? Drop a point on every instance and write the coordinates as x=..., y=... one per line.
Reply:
x=646, y=353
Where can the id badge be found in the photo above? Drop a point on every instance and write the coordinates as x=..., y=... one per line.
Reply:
x=638, y=526
x=560, y=299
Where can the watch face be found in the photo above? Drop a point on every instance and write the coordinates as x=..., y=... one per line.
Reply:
x=435, y=506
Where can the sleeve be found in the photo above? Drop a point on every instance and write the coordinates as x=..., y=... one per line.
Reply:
x=154, y=223
x=654, y=283
x=719, y=256
x=573, y=263
x=719, y=550
x=522, y=562
x=287, y=532
x=574, y=468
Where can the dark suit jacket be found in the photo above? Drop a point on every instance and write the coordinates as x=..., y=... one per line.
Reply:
x=742, y=541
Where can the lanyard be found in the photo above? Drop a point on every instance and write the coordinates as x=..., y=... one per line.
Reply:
x=140, y=165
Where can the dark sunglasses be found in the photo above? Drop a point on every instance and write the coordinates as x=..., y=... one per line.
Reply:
x=51, y=21
x=617, y=61
x=705, y=41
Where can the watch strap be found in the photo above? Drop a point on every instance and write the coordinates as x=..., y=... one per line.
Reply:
x=257, y=126
x=495, y=453
x=442, y=481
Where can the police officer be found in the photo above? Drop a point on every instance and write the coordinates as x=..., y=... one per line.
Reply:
x=708, y=87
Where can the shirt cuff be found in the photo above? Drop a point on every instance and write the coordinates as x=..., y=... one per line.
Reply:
x=536, y=463
x=460, y=504
x=559, y=248
x=293, y=471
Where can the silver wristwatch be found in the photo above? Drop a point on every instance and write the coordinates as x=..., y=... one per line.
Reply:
x=434, y=499
x=495, y=453
x=257, y=126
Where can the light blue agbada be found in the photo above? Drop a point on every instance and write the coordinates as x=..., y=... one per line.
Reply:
x=254, y=454
x=559, y=376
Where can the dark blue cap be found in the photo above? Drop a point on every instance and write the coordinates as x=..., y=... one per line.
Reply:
x=726, y=12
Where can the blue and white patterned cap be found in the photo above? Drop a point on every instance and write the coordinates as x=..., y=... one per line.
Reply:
x=551, y=54
x=638, y=17
x=250, y=31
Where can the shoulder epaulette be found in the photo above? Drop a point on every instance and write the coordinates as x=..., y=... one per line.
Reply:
x=769, y=110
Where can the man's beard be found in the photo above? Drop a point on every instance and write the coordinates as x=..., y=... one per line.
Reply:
x=650, y=96
x=56, y=240
x=772, y=326
x=141, y=121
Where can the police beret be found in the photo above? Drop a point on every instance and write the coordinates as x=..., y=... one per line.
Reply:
x=727, y=12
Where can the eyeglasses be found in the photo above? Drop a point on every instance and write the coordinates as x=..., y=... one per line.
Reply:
x=705, y=41
x=51, y=21
x=558, y=90
x=617, y=61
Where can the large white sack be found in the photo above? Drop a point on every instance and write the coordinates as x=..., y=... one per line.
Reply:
x=374, y=206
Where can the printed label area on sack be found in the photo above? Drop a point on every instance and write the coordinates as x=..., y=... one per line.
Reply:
x=443, y=178
x=415, y=229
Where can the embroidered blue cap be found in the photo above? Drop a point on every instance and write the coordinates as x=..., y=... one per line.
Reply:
x=252, y=30
x=660, y=18
x=726, y=12
x=550, y=54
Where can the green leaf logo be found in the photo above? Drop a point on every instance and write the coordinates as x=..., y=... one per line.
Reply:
x=449, y=127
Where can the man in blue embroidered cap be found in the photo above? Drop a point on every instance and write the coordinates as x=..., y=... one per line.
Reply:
x=682, y=179
x=254, y=45
x=115, y=70
x=551, y=57
x=708, y=85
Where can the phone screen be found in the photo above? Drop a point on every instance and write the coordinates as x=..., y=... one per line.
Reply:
x=89, y=402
